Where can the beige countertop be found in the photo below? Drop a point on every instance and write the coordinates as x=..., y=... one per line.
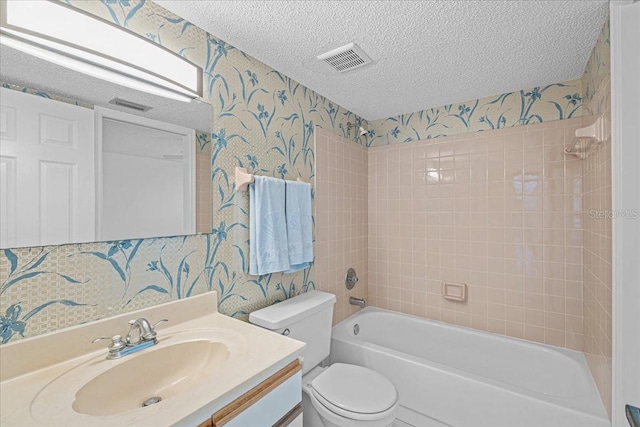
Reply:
x=41, y=375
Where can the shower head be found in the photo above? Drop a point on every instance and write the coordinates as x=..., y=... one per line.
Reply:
x=361, y=131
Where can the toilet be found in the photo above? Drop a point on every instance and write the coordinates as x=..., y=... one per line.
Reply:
x=341, y=395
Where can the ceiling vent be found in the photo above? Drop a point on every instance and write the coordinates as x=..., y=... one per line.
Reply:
x=129, y=104
x=346, y=58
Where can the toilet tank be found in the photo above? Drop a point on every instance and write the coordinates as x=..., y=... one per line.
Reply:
x=307, y=317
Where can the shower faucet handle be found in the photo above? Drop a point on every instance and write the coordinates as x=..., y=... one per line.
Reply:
x=350, y=279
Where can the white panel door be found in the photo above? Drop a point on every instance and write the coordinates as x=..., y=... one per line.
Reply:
x=47, y=187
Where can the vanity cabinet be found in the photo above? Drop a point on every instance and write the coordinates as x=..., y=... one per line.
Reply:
x=257, y=383
x=276, y=401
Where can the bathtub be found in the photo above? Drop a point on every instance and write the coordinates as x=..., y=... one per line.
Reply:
x=453, y=376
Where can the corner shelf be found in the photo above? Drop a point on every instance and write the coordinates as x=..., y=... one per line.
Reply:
x=587, y=139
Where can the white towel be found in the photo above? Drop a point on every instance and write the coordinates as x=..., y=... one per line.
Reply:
x=268, y=250
x=299, y=225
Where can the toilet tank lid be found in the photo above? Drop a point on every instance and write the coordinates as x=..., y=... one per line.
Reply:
x=292, y=310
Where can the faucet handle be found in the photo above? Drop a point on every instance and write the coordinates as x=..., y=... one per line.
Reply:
x=159, y=321
x=113, y=338
x=151, y=333
x=116, y=343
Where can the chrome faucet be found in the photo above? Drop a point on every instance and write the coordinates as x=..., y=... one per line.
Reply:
x=141, y=335
x=360, y=302
x=143, y=331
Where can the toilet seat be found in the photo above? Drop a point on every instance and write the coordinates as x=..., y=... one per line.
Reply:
x=355, y=392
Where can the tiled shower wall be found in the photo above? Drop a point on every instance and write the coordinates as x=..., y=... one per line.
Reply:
x=597, y=265
x=596, y=169
x=341, y=218
x=500, y=211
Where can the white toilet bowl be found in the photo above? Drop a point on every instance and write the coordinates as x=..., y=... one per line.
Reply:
x=341, y=395
x=345, y=395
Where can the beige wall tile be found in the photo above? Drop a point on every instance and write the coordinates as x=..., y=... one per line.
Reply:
x=487, y=211
x=596, y=266
x=342, y=224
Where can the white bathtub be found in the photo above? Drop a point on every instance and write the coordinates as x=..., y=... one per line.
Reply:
x=452, y=376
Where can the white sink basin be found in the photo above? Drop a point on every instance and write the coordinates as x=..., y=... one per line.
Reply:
x=180, y=364
x=156, y=373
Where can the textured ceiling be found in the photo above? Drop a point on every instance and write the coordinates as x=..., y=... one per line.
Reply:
x=426, y=53
x=22, y=69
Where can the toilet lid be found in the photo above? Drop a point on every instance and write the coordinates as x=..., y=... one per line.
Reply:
x=355, y=389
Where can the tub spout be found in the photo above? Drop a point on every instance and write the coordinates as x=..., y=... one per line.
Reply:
x=360, y=302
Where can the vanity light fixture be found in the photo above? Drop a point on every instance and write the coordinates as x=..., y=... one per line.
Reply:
x=72, y=38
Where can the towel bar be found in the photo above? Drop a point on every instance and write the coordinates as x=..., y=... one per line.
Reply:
x=244, y=178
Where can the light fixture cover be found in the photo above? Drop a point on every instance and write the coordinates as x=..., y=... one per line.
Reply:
x=99, y=43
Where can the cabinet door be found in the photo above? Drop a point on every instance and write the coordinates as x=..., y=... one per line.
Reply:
x=268, y=404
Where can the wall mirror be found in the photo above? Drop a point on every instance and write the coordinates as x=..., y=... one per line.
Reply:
x=83, y=159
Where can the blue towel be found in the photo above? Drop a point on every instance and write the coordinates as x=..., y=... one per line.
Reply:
x=299, y=225
x=268, y=251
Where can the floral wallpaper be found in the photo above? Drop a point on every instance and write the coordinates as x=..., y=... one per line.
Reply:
x=48, y=288
x=528, y=106
x=597, y=72
x=262, y=120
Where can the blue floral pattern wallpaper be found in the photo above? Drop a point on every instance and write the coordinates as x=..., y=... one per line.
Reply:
x=597, y=72
x=535, y=105
x=262, y=120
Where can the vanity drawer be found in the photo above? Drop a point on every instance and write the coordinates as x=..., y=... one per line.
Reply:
x=274, y=402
